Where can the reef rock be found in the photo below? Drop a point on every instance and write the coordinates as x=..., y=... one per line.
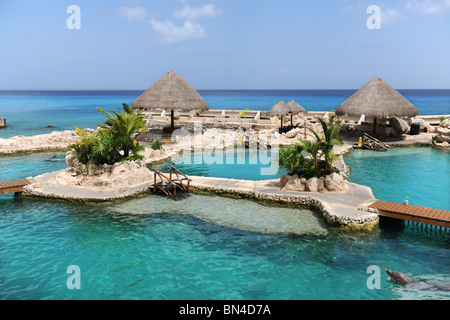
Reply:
x=443, y=131
x=311, y=184
x=293, y=133
x=445, y=123
x=334, y=182
x=321, y=184
x=118, y=175
x=294, y=183
x=283, y=180
x=399, y=125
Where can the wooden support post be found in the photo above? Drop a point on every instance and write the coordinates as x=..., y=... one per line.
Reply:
x=305, y=127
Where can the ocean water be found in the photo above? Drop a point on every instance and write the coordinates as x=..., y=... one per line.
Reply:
x=30, y=112
x=207, y=247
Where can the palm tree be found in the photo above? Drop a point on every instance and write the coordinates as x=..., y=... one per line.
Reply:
x=125, y=127
x=330, y=139
x=291, y=158
x=105, y=148
x=323, y=146
x=312, y=148
x=84, y=147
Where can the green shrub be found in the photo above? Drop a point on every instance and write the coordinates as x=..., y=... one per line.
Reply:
x=156, y=144
x=313, y=158
x=113, y=142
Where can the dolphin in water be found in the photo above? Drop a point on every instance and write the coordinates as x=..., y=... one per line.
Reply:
x=55, y=159
x=409, y=283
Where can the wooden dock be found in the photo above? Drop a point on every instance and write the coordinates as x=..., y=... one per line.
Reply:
x=408, y=212
x=15, y=187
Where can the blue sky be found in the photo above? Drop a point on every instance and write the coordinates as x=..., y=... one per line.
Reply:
x=224, y=44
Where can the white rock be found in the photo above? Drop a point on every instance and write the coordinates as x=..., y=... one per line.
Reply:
x=311, y=184
x=443, y=131
x=119, y=175
x=400, y=125
x=445, y=123
x=283, y=180
x=321, y=184
x=294, y=183
x=334, y=182
x=293, y=133
x=431, y=129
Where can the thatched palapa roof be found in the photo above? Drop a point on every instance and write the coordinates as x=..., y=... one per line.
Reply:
x=378, y=100
x=282, y=108
x=171, y=92
x=295, y=108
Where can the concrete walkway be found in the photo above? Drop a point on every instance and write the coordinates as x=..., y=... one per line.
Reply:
x=338, y=208
x=45, y=186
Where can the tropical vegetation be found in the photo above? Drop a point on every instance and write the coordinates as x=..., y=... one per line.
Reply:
x=156, y=144
x=114, y=141
x=313, y=158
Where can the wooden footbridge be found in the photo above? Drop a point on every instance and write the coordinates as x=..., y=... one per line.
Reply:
x=15, y=187
x=168, y=185
x=408, y=212
x=371, y=143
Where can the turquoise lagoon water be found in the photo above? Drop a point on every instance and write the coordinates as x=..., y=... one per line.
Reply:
x=421, y=174
x=30, y=112
x=208, y=247
x=238, y=163
x=198, y=248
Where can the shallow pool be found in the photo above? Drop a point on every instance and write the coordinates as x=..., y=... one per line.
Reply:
x=155, y=248
x=239, y=163
x=420, y=173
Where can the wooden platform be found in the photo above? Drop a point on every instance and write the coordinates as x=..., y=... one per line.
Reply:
x=13, y=186
x=431, y=216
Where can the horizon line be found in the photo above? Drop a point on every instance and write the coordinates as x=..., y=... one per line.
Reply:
x=2, y=90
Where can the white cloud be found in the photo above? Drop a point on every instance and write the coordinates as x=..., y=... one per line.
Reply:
x=168, y=32
x=135, y=13
x=429, y=7
x=207, y=11
x=390, y=16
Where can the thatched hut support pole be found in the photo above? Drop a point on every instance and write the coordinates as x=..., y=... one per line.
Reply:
x=172, y=118
x=305, y=128
x=374, y=126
